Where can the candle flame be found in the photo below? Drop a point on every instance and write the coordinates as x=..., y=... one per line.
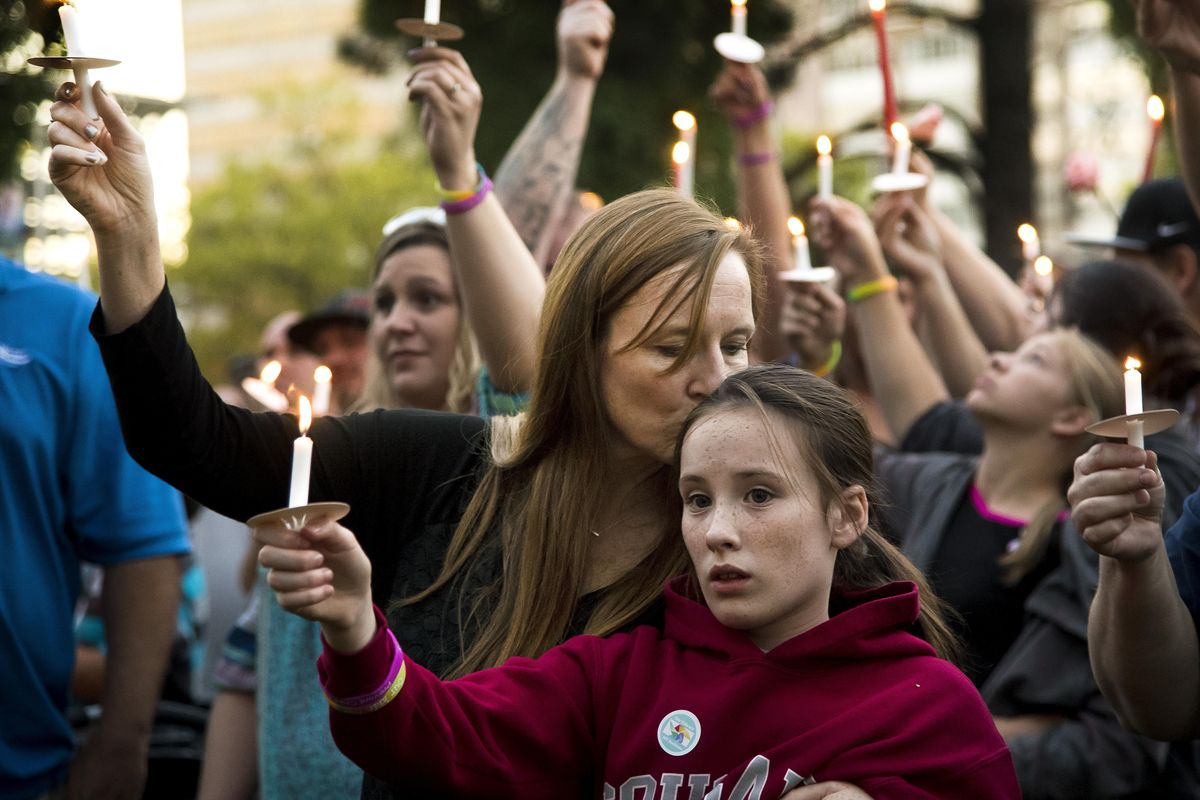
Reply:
x=899, y=132
x=1043, y=266
x=270, y=372
x=591, y=201
x=824, y=146
x=305, y=415
x=1155, y=108
x=322, y=374
x=796, y=226
x=1027, y=233
x=877, y=6
x=1132, y=363
x=733, y=224
x=683, y=120
x=681, y=153
x=738, y=3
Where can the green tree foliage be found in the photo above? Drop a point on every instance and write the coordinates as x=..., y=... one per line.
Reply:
x=269, y=237
x=661, y=60
x=24, y=26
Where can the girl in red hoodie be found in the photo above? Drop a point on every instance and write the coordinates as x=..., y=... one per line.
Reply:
x=789, y=656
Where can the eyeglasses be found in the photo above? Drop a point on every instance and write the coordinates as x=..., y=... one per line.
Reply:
x=414, y=216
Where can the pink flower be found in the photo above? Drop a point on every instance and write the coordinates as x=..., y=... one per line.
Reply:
x=1081, y=172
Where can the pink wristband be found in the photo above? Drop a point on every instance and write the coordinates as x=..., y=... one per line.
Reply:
x=753, y=117
x=755, y=159
x=466, y=204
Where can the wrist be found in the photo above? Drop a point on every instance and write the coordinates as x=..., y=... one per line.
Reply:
x=568, y=80
x=353, y=633
x=824, y=363
x=463, y=176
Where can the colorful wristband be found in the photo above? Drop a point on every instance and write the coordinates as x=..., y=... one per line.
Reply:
x=862, y=291
x=466, y=204
x=453, y=195
x=755, y=159
x=835, y=357
x=386, y=693
x=754, y=117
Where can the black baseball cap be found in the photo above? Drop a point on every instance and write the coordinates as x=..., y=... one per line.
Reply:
x=1158, y=215
x=348, y=307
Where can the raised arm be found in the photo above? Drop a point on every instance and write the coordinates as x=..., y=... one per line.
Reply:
x=910, y=240
x=901, y=376
x=500, y=284
x=536, y=179
x=1141, y=638
x=763, y=200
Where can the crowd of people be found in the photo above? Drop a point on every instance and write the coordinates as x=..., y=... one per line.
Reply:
x=633, y=512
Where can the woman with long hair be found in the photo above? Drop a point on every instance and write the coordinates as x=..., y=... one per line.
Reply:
x=788, y=655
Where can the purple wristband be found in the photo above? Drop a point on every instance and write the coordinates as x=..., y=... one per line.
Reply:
x=365, y=703
x=753, y=117
x=755, y=159
x=465, y=205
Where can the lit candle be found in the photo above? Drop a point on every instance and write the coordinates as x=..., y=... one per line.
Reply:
x=683, y=154
x=879, y=17
x=302, y=450
x=1043, y=269
x=323, y=378
x=72, y=33
x=1133, y=401
x=903, y=149
x=824, y=168
x=800, y=244
x=1031, y=245
x=433, y=12
x=738, y=11
x=263, y=388
x=1156, y=111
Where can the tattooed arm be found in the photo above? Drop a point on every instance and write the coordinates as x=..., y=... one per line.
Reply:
x=536, y=180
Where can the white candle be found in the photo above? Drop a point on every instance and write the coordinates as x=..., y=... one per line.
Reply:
x=800, y=244
x=1043, y=269
x=683, y=154
x=1031, y=244
x=263, y=388
x=323, y=378
x=1133, y=402
x=824, y=168
x=739, y=17
x=69, y=18
x=302, y=450
x=433, y=12
x=903, y=149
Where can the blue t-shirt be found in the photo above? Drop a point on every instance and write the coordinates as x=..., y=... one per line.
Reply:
x=68, y=492
x=1183, y=548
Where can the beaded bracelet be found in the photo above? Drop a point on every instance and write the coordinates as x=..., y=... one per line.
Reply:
x=453, y=207
x=835, y=357
x=461, y=194
x=862, y=291
x=743, y=121
x=755, y=159
x=386, y=693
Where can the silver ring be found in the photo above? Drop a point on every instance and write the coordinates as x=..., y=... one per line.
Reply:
x=454, y=89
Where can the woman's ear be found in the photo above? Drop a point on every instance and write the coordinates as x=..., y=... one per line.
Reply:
x=848, y=517
x=1071, y=421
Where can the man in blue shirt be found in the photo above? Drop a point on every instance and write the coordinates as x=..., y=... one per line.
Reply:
x=69, y=492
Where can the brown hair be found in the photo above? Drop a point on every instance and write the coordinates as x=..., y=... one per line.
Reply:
x=833, y=435
x=464, y=369
x=1096, y=384
x=542, y=499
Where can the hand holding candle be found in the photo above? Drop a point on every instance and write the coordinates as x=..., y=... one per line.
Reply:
x=824, y=168
x=302, y=450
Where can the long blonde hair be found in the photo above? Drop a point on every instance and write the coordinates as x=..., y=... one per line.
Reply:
x=464, y=369
x=543, y=499
x=1096, y=384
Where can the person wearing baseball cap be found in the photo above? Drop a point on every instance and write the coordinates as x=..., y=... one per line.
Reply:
x=1159, y=228
x=337, y=334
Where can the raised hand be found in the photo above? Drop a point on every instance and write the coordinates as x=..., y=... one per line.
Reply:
x=740, y=91
x=100, y=166
x=1117, y=501
x=814, y=317
x=908, y=237
x=321, y=573
x=845, y=232
x=585, y=28
x=1172, y=27
x=451, y=101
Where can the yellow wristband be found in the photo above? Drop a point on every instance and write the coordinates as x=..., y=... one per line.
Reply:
x=454, y=195
x=835, y=357
x=862, y=291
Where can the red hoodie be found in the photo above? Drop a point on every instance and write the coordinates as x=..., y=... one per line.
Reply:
x=693, y=712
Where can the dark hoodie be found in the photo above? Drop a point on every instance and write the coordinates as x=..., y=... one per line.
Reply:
x=692, y=712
